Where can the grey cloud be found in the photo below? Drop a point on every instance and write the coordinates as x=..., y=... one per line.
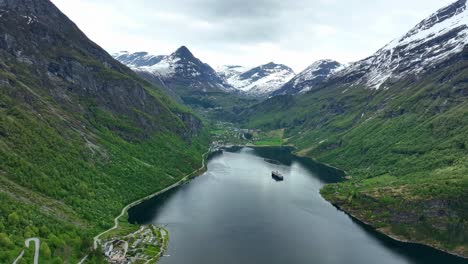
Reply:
x=307, y=29
x=220, y=10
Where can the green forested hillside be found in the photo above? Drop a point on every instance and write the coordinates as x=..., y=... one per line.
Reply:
x=80, y=135
x=405, y=148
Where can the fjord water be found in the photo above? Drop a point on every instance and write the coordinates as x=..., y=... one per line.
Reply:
x=236, y=213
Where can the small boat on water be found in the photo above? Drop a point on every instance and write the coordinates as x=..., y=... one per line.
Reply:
x=277, y=176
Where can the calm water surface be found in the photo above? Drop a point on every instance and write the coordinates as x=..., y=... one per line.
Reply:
x=236, y=213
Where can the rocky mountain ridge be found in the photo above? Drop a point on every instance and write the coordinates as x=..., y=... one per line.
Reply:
x=259, y=81
x=179, y=68
x=435, y=39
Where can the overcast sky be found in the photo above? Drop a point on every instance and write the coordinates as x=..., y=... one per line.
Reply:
x=250, y=32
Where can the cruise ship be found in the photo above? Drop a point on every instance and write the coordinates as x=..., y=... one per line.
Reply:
x=277, y=176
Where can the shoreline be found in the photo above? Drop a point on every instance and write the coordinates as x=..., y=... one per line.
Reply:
x=353, y=216
x=392, y=236
x=389, y=235
x=97, y=240
x=293, y=152
x=347, y=177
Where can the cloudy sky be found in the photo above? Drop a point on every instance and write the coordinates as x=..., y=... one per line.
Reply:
x=250, y=32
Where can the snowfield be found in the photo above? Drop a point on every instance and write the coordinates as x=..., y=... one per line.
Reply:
x=259, y=81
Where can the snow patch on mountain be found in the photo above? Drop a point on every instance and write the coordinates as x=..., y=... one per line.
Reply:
x=164, y=68
x=314, y=75
x=259, y=81
x=229, y=71
x=137, y=59
x=322, y=69
x=181, y=67
x=436, y=38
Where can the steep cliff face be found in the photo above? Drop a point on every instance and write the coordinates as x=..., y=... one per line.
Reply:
x=80, y=134
x=38, y=36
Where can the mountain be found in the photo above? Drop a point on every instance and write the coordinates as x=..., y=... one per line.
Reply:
x=180, y=68
x=433, y=40
x=81, y=135
x=260, y=81
x=188, y=80
x=396, y=122
x=313, y=76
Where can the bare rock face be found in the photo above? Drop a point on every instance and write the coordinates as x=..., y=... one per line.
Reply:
x=77, y=73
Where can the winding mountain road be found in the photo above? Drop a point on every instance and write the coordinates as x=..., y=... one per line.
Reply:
x=19, y=257
x=27, y=242
x=36, y=252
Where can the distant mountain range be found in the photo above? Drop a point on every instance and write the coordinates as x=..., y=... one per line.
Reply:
x=188, y=80
x=182, y=68
x=434, y=39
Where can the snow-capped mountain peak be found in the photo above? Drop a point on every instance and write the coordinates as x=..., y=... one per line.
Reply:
x=433, y=40
x=183, y=52
x=442, y=21
x=179, y=67
x=320, y=68
x=436, y=38
x=259, y=81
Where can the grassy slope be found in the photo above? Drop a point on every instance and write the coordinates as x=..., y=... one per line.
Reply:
x=405, y=147
x=271, y=138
